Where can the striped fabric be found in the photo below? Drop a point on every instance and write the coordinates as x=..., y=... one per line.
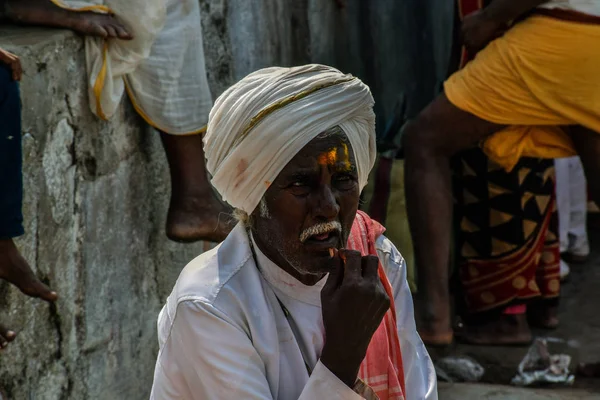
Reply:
x=382, y=367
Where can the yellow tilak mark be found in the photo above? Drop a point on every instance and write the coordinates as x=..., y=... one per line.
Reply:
x=346, y=161
x=331, y=157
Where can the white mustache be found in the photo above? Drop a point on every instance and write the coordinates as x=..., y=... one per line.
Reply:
x=320, y=229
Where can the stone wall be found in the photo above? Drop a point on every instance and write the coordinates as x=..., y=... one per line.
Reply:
x=95, y=201
x=96, y=193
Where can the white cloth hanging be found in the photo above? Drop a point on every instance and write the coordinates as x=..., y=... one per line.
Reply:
x=162, y=68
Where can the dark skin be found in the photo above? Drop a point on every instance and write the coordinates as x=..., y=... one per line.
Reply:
x=439, y=132
x=307, y=192
x=480, y=28
x=494, y=327
x=46, y=13
x=195, y=212
x=13, y=267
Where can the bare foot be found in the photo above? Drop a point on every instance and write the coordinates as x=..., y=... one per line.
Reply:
x=46, y=13
x=6, y=336
x=194, y=218
x=434, y=324
x=14, y=269
x=543, y=314
x=503, y=330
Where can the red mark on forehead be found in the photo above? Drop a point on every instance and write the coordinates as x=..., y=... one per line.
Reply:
x=328, y=158
x=331, y=157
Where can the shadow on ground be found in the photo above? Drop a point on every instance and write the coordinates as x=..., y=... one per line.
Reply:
x=577, y=335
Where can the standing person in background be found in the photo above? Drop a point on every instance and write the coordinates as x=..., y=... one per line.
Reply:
x=572, y=203
x=506, y=241
x=540, y=74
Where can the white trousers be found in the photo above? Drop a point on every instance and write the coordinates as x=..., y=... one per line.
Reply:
x=571, y=198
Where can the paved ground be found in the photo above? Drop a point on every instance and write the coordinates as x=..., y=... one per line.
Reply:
x=578, y=335
x=466, y=391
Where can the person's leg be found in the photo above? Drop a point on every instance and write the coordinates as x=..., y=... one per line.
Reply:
x=587, y=144
x=46, y=13
x=579, y=247
x=504, y=326
x=563, y=201
x=195, y=212
x=439, y=132
x=13, y=267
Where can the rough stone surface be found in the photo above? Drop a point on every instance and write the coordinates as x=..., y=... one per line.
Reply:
x=396, y=47
x=96, y=193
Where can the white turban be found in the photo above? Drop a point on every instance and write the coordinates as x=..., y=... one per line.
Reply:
x=259, y=124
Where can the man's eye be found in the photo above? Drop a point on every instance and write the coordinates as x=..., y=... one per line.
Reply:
x=298, y=184
x=345, y=181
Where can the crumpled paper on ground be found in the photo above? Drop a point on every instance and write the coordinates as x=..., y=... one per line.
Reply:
x=539, y=366
x=459, y=369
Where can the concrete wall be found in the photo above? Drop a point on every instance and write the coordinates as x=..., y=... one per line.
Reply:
x=396, y=47
x=97, y=192
x=95, y=201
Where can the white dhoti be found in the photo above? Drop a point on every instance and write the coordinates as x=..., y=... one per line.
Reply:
x=571, y=199
x=162, y=68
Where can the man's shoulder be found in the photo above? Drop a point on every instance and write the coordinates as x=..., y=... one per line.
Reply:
x=212, y=272
x=386, y=247
x=391, y=260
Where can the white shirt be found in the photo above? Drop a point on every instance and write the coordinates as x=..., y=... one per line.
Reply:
x=591, y=7
x=223, y=333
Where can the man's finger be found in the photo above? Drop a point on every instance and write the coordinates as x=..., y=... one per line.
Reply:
x=370, y=266
x=336, y=275
x=352, y=264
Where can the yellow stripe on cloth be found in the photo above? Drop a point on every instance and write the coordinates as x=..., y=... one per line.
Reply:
x=543, y=73
x=96, y=8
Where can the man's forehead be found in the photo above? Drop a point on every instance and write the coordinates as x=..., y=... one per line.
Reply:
x=330, y=149
x=327, y=142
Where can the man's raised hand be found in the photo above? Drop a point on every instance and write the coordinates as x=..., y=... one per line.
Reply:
x=354, y=302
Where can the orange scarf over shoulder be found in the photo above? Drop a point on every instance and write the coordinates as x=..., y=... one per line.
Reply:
x=382, y=367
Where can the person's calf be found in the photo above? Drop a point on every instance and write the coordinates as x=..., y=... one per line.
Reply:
x=195, y=212
x=439, y=132
x=428, y=200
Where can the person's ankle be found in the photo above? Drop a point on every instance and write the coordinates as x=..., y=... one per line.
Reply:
x=7, y=243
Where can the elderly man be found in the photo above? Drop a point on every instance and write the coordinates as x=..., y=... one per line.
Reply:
x=305, y=299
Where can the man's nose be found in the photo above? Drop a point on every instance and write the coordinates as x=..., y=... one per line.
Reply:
x=327, y=205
